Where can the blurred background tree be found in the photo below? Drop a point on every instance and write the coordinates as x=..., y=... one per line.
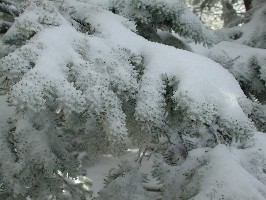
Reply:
x=219, y=13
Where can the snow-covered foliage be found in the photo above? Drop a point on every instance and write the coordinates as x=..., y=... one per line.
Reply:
x=247, y=64
x=84, y=80
x=169, y=15
x=124, y=182
x=218, y=173
x=244, y=52
x=9, y=7
x=251, y=29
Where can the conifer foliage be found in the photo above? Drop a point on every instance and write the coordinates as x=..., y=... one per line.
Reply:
x=86, y=77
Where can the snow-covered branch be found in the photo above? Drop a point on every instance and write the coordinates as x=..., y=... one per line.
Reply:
x=4, y=26
x=9, y=8
x=78, y=94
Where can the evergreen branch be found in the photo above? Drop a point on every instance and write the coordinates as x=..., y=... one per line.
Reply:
x=4, y=26
x=8, y=8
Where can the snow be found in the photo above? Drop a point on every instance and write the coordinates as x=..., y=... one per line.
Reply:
x=254, y=28
x=236, y=182
x=98, y=171
x=221, y=172
x=251, y=33
x=247, y=64
x=199, y=80
x=5, y=111
x=196, y=74
x=202, y=80
x=101, y=61
x=242, y=58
